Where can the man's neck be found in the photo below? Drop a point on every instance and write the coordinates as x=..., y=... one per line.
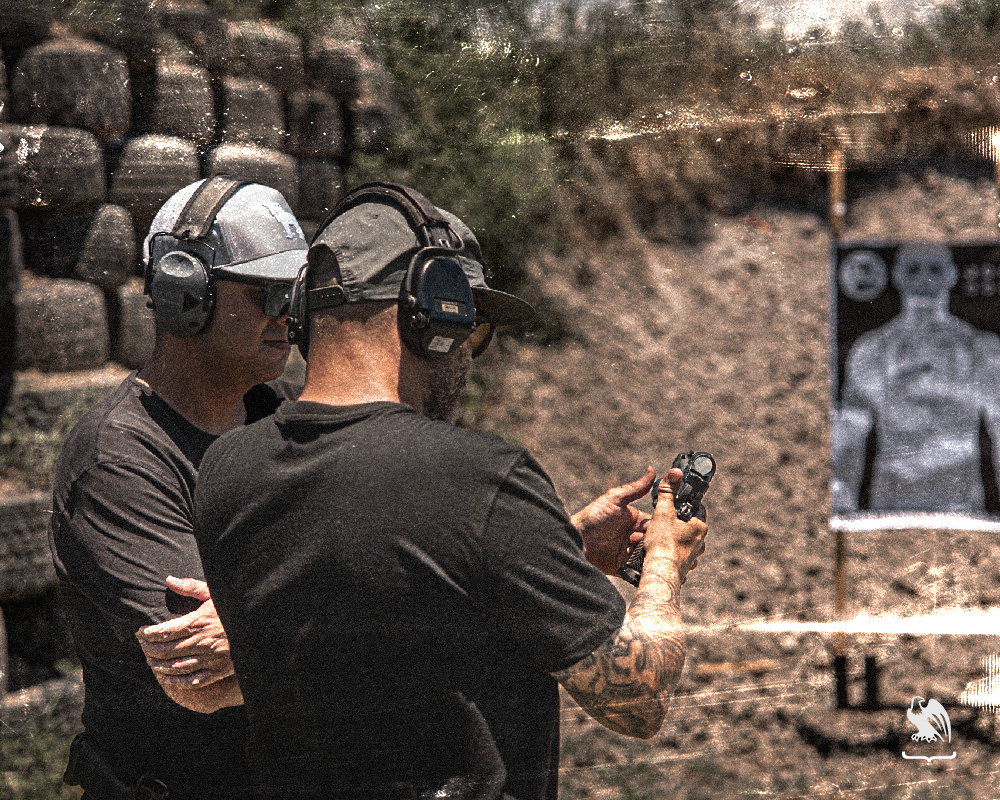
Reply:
x=359, y=361
x=206, y=401
x=351, y=389
x=353, y=377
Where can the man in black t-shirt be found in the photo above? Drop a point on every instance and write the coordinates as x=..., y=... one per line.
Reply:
x=220, y=259
x=401, y=595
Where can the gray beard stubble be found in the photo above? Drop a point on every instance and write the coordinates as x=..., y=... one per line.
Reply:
x=445, y=386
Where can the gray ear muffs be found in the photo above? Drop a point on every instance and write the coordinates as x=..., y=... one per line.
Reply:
x=182, y=293
x=180, y=287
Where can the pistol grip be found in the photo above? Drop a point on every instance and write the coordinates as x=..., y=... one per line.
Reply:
x=633, y=567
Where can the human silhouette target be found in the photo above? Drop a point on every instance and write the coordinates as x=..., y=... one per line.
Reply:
x=916, y=405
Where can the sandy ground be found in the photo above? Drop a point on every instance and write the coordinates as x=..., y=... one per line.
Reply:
x=722, y=345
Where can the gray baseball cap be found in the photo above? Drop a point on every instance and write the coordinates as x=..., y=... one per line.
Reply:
x=254, y=235
x=374, y=243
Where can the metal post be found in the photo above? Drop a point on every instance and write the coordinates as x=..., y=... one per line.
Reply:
x=840, y=680
x=995, y=151
x=840, y=640
x=872, y=700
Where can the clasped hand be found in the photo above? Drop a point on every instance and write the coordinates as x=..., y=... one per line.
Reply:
x=191, y=650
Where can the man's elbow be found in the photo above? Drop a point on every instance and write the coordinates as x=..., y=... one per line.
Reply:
x=634, y=729
x=642, y=721
x=650, y=724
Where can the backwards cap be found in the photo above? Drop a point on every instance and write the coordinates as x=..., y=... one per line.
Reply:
x=374, y=243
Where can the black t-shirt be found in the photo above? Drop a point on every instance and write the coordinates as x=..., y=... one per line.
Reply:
x=371, y=566
x=122, y=520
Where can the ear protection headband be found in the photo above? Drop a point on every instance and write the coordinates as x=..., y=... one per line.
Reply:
x=180, y=285
x=436, y=312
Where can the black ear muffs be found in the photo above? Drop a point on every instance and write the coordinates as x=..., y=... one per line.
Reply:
x=180, y=286
x=436, y=310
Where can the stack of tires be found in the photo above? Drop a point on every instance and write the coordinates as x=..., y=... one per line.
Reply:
x=104, y=113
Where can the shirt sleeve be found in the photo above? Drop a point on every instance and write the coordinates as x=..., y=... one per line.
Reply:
x=120, y=531
x=539, y=589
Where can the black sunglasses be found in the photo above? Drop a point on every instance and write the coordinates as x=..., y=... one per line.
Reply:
x=277, y=294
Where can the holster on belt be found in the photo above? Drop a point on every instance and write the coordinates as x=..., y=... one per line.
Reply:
x=86, y=768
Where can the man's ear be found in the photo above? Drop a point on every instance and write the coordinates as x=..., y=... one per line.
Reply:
x=324, y=268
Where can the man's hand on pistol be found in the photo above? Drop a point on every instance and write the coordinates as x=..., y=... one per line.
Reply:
x=610, y=527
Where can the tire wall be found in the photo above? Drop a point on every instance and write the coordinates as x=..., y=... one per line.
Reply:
x=102, y=117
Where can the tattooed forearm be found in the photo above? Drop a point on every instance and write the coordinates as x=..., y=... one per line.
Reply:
x=626, y=684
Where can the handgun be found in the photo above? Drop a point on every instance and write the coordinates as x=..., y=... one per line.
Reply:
x=698, y=469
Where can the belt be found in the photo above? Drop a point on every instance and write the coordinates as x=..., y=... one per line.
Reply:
x=86, y=768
